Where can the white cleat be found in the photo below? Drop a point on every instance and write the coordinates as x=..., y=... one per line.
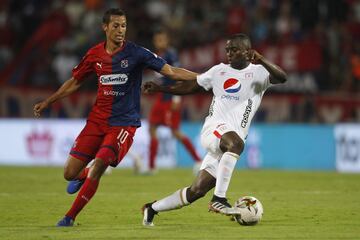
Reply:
x=222, y=208
x=233, y=211
x=149, y=215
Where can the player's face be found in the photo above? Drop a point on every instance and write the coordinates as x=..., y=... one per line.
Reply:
x=161, y=41
x=235, y=50
x=116, y=29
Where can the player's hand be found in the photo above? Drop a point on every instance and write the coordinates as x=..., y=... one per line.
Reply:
x=253, y=56
x=39, y=107
x=151, y=87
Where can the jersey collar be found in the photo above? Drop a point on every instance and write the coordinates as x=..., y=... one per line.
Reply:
x=117, y=51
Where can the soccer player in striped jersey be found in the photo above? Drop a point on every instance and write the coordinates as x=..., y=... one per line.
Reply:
x=115, y=116
x=238, y=88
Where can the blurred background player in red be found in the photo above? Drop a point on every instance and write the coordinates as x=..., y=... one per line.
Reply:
x=166, y=109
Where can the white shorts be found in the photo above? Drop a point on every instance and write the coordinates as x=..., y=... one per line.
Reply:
x=210, y=136
x=210, y=163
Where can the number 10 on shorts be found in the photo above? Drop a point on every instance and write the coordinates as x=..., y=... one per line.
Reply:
x=122, y=137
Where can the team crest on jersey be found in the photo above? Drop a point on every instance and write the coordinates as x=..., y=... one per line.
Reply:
x=124, y=63
x=249, y=75
x=113, y=79
x=232, y=85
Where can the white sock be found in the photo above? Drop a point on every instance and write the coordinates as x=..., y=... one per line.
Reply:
x=223, y=175
x=174, y=201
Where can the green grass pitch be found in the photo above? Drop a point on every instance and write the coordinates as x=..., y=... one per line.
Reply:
x=297, y=205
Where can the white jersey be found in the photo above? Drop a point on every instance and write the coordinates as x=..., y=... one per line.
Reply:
x=237, y=94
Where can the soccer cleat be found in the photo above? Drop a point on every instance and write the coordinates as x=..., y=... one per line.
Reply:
x=221, y=205
x=74, y=186
x=66, y=222
x=149, y=214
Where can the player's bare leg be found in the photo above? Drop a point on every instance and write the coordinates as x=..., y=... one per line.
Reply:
x=74, y=168
x=86, y=193
x=232, y=146
x=75, y=171
x=203, y=183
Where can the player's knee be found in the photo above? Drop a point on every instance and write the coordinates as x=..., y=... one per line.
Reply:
x=105, y=156
x=70, y=174
x=235, y=145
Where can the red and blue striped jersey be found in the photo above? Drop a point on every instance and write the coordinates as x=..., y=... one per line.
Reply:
x=119, y=81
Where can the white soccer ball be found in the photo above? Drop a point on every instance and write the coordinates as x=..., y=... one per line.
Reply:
x=251, y=210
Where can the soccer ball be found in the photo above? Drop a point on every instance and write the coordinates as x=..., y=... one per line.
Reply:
x=251, y=210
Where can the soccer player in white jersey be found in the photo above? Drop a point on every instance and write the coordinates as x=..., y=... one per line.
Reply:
x=238, y=88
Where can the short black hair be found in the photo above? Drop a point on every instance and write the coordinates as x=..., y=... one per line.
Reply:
x=112, y=11
x=241, y=37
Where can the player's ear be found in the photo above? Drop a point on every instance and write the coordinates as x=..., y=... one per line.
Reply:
x=104, y=27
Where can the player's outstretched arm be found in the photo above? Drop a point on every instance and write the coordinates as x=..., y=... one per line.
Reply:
x=178, y=74
x=179, y=88
x=277, y=75
x=66, y=89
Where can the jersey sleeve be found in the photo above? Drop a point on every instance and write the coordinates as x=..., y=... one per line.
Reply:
x=83, y=69
x=151, y=60
x=206, y=79
x=265, y=77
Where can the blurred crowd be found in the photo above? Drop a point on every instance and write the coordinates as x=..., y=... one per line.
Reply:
x=41, y=41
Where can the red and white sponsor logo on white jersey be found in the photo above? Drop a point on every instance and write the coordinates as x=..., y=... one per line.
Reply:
x=232, y=85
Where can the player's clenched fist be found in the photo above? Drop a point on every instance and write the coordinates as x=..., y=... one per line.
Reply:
x=39, y=107
x=151, y=87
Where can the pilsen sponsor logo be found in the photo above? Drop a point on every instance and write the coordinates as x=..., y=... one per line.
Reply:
x=39, y=144
x=113, y=79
